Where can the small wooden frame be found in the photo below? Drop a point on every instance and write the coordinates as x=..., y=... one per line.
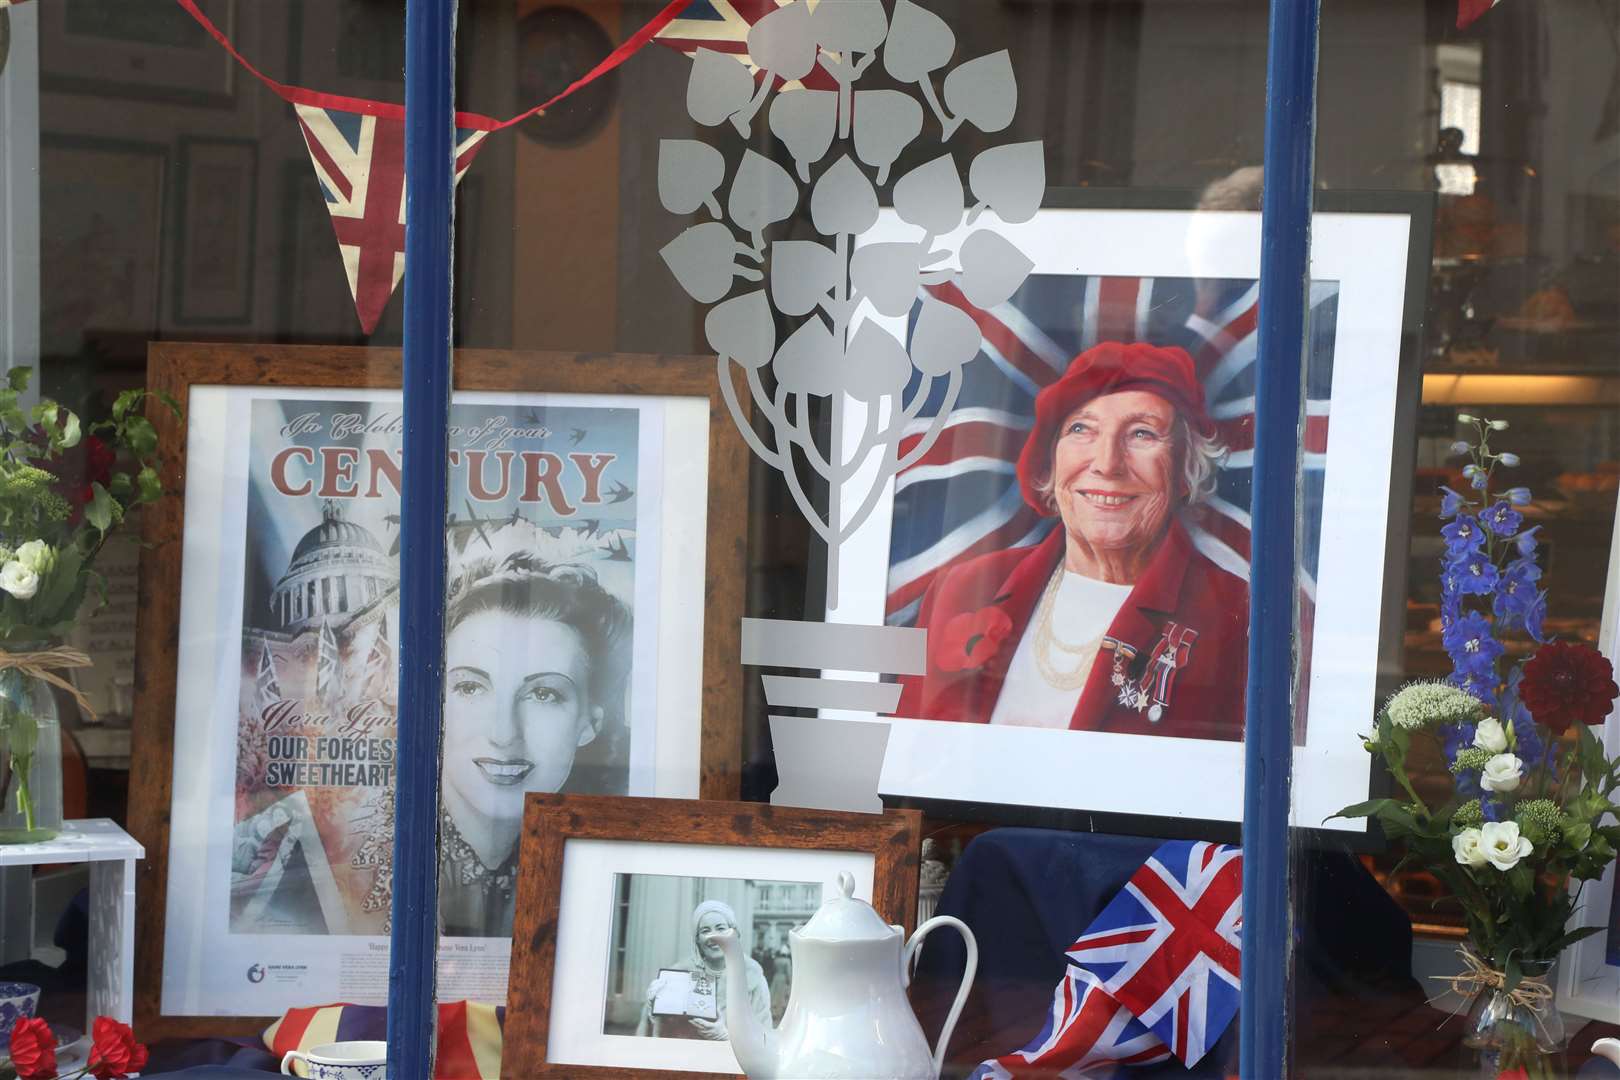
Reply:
x=176, y=368
x=893, y=839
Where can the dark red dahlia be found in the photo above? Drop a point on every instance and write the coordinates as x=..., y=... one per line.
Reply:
x=1564, y=683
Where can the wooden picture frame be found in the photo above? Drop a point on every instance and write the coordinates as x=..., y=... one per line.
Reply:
x=146, y=52
x=550, y=823
x=180, y=368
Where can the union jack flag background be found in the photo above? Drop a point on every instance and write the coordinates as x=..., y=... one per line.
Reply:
x=723, y=25
x=1156, y=974
x=359, y=162
x=961, y=499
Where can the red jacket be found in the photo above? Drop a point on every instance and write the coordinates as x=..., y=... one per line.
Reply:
x=1183, y=608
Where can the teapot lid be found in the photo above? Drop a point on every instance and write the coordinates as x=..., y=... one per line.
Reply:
x=843, y=917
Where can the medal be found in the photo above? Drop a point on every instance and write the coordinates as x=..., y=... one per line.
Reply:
x=1170, y=653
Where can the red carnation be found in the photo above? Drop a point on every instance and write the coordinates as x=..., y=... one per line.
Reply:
x=971, y=639
x=114, y=1051
x=33, y=1049
x=99, y=460
x=1564, y=683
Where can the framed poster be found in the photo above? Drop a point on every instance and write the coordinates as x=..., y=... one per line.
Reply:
x=594, y=598
x=1027, y=710
x=615, y=898
x=156, y=52
x=218, y=207
x=1589, y=973
x=102, y=209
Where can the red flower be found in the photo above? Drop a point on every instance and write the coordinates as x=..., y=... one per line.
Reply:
x=971, y=639
x=1564, y=683
x=33, y=1049
x=99, y=460
x=114, y=1051
x=1519, y=1073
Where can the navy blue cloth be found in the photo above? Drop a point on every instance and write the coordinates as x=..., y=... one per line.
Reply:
x=1028, y=894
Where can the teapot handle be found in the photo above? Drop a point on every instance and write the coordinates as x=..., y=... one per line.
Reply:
x=910, y=954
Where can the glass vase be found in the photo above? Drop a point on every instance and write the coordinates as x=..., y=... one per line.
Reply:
x=30, y=759
x=1512, y=1037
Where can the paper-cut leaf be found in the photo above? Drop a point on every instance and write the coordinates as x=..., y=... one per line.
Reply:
x=920, y=42
x=743, y=329
x=843, y=200
x=876, y=365
x=1011, y=179
x=805, y=121
x=992, y=269
x=888, y=275
x=983, y=91
x=783, y=42
x=944, y=338
x=703, y=260
x=885, y=123
x=808, y=361
x=718, y=86
x=930, y=196
x=802, y=273
x=689, y=172
x=762, y=193
x=849, y=25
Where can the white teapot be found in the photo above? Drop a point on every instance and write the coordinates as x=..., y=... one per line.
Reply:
x=847, y=1014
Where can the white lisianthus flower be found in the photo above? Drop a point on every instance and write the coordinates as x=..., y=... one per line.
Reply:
x=1502, y=773
x=1468, y=847
x=1490, y=735
x=18, y=580
x=37, y=556
x=6, y=554
x=1503, y=845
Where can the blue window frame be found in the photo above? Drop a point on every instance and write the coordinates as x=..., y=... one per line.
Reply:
x=1289, y=154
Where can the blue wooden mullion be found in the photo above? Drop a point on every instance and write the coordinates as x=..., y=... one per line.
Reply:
x=1285, y=219
x=429, y=160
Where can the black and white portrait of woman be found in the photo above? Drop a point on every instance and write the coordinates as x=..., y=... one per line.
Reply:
x=536, y=665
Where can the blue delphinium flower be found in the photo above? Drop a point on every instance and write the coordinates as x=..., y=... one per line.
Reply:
x=1525, y=542
x=1519, y=496
x=1476, y=574
x=1469, y=642
x=1451, y=503
x=1502, y=519
x=1481, y=684
x=1494, y=809
x=1466, y=783
x=1515, y=592
x=1463, y=534
x=1510, y=460
x=1534, y=613
x=1477, y=477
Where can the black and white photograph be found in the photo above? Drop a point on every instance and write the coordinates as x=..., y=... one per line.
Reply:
x=667, y=973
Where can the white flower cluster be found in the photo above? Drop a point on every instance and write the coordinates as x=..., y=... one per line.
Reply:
x=1496, y=843
x=21, y=570
x=1428, y=704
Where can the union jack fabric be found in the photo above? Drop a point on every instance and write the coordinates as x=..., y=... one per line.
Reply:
x=360, y=164
x=722, y=26
x=961, y=499
x=328, y=666
x=1469, y=10
x=267, y=686
x=1156, y=974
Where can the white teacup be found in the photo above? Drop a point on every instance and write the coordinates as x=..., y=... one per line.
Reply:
x=355, y=1060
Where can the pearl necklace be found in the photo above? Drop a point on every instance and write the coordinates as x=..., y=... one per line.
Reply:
x=1046, y=642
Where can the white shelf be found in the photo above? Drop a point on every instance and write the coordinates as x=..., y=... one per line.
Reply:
x=90, y=840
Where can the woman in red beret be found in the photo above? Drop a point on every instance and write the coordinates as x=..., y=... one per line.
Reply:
x=1115, y=622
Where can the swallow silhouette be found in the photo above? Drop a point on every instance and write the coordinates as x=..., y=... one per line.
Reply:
x=576, y=436
x=618, y=493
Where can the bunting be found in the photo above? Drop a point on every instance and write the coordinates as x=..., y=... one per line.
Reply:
x=357, y=148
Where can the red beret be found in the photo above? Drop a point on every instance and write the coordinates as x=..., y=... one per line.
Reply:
x=1109, y=368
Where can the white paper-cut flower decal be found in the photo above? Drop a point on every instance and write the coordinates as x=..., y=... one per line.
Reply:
x=844, y=144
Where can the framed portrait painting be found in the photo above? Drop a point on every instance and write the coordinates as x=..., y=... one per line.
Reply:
x=593, y=598
x=612, y=973
x=1074, y=534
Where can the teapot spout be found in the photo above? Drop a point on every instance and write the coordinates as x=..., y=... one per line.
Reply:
x=754, y=1044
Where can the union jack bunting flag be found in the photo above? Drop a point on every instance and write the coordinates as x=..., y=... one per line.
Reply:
x=267, y=686
x=723, y=25
x=1155, y=975
x=961, y=499
x=328, y=666
x=359, y=162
